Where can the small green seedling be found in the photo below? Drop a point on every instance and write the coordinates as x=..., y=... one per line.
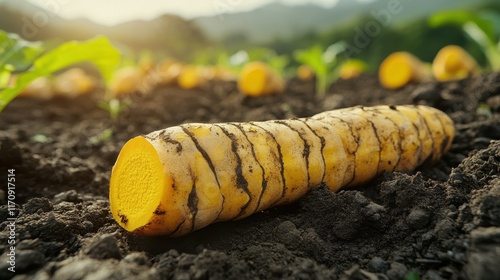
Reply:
x=412, y=275
x=323, y=63
x=484, y=110
x=103, y=136
x=40, y=138
x=114, y=107
x=26, y=58
x=481, y=27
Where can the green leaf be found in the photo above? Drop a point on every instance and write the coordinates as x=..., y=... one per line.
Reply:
x=312, y=57
x=483, y=28
x=493, y=17
x=331, y=53
x=16, y=53
x=461, y=17
x=98, y=51
x=490, y=49
x=323, y=63
x=4, y=77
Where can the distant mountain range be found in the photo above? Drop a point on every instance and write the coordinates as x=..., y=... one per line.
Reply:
x=179, y=37
x=169, y=34
x=282, y=21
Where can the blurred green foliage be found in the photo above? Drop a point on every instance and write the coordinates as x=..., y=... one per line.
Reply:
x=19, y=55
x=415, y=36
x=482, y=27
x=323, y=62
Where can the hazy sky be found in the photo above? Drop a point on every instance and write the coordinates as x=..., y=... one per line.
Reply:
x=115, y=11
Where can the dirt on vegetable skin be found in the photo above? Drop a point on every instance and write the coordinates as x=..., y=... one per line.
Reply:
x=439, y=222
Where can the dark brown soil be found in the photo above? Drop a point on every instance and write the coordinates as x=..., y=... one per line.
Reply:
x=439, y=222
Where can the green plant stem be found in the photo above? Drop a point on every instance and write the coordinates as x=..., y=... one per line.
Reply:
x=321, y=85
x=493, y=55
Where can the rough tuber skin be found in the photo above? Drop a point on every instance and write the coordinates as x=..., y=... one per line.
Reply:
x=183, y=178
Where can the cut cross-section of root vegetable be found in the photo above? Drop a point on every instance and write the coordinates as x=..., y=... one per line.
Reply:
x=400, y=69
x=183, y=178
x=453, y=63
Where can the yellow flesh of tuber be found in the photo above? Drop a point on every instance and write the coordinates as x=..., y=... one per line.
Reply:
x=453, y=63
x=400, y=69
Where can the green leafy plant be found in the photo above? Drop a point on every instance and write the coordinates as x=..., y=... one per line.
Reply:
x=15, y=55
x=26, y=58
x=323, y=62
x=482, y=27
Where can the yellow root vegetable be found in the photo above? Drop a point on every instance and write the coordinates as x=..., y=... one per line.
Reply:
x=73, y=82
x=191, y=77
x=400, y=69
x=453, y=63
x=126, y=81
x=305, y=73
x=168, y=72
x=183, y=178
x=39, y=88
x=352, y=69
x=257, y=79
